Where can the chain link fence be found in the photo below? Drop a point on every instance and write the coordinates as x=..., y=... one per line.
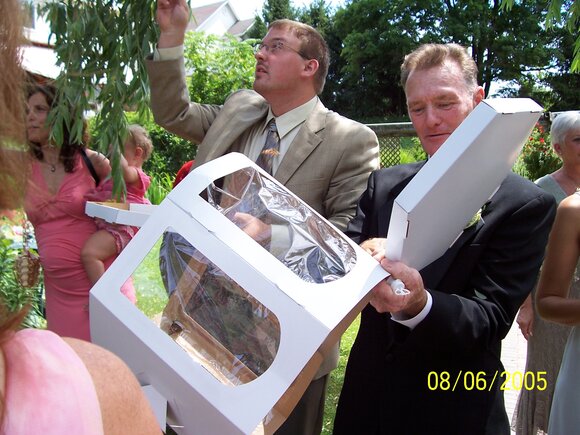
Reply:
x=390, y=140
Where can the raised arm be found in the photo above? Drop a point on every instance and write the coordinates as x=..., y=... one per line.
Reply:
x=559, y=266
x=172, y=18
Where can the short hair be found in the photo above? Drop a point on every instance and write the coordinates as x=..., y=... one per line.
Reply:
x=428, y=56
x=312, y=46
x=140, y=138
x=562, y=124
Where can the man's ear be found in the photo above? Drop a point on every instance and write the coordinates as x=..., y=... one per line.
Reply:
x=478, y=95
x=310, y=67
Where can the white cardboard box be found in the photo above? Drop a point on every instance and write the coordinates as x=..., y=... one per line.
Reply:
x=121, y=213
x=311, y=316
x=461, y=176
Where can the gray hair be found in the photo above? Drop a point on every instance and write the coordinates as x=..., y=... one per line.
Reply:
x=562, y=124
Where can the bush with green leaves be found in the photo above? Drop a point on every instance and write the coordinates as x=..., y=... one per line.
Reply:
x=537, y=157
x=12, y=294
x=218, y=66
x=411, y=150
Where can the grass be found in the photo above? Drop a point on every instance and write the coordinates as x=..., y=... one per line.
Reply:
x=151, y=299
x=337, y=377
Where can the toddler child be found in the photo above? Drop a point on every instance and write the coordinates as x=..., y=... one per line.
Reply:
x=110, y=239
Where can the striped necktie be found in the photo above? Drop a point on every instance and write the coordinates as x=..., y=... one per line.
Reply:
x=271, y=148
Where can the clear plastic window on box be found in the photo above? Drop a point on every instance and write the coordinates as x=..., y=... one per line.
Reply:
x=214, y=319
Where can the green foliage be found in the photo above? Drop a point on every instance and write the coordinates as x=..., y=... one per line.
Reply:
x=219, y=65
x=161, y=185
x=12, y=294
x=561, y=13
x=151, y=294
x=412, y=151
x=373, y=36
x=272, y=10
x=537, y=157
x=101, y=45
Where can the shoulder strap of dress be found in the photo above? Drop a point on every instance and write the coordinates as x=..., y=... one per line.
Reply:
x=90, y=166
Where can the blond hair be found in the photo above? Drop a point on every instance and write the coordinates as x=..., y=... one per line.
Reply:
x=139, y=138
x=431, y=55
x=14, y=161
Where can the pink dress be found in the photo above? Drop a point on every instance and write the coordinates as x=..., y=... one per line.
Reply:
x=135, y=194
x=48, y=388
x=61, y=228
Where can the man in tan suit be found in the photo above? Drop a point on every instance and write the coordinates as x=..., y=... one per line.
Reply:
x=323, y=157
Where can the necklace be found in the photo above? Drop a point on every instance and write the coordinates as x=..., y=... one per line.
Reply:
x=52, y=166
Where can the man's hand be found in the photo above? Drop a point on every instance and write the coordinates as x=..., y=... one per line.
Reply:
x=385, y=300
x=375, y=247
x=253, y=227
x=525, y=318
x=172, y=19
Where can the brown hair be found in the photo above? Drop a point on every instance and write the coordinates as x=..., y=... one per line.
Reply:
x=312, y=46
x=14, y=160
x=431, y=55
x=69, y=149
x=139, y=137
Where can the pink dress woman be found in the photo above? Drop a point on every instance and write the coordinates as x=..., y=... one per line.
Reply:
x=48, y=388
x=61, y=228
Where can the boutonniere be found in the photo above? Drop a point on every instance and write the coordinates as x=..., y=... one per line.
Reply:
x=476, y=217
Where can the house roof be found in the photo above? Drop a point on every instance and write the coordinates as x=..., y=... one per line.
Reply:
x=204, y=13
x=241, y=27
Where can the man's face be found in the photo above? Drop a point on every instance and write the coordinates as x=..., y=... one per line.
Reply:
x=438, y=101
x=278, y=66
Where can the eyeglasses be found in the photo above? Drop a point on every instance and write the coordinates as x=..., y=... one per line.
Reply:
x=275, y=47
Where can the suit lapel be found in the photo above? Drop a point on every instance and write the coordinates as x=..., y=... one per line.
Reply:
x=309, y=136
x=234, y=121
x=434, y=272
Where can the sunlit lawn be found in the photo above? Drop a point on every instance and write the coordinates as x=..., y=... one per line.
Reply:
x=151, y=300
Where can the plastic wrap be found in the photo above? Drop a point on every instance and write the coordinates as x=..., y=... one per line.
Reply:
x=211, y=316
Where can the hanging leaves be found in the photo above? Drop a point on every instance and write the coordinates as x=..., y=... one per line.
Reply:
x=100, y=46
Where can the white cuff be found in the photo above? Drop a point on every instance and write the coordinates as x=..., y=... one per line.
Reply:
x=170, y=53
x=414, y=321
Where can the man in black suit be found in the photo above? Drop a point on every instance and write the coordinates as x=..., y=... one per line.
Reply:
x=429, y=362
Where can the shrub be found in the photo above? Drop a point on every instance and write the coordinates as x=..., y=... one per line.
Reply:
x=537, y=157
x=411, y=150
x=13, y=295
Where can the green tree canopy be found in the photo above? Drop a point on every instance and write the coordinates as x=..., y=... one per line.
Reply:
x=376, y=34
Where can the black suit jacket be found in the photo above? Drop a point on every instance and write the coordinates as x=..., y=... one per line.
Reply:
x=400, y=381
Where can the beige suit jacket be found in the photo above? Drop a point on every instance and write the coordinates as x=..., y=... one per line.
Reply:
x=327, y=165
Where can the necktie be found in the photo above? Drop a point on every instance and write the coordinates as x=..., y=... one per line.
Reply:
x=271, y=148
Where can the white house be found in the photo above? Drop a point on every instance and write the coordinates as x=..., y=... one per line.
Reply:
x=38, y=57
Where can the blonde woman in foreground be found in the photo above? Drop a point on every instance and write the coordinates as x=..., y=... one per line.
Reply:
x=48, y=384
x=559, y=269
